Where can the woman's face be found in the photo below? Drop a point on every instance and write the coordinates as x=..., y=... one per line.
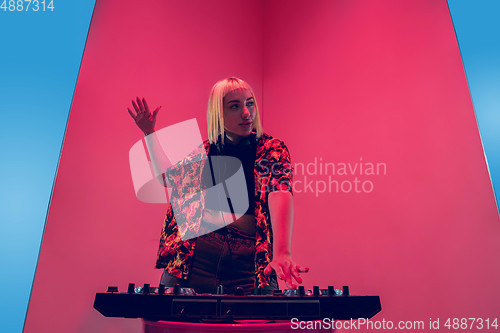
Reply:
x=239, y=114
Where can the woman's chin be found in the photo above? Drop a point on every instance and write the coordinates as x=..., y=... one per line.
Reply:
x=246, y=132
x=241, y=133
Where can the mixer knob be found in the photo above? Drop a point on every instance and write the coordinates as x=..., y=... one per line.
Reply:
x=177, y=289
x=239, y=291
x=161, y=289
x=220, y=289
x=315, y=291
x=145, y=289
x=331, y=291
x=112, y=290
x=345, y=290
x=302, y=291
x=131, y=288
x=257, y=291
x=188, y=291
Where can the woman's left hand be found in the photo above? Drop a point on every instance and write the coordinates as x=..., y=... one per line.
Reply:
x=286, y=269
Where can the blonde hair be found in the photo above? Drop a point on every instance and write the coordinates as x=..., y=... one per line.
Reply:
x=215, y=109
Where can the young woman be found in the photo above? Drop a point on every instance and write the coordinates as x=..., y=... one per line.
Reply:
x=254, y=249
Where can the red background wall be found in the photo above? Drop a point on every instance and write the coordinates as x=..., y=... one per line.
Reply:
x=337, y=80
x=97, y=232
x=383, y=81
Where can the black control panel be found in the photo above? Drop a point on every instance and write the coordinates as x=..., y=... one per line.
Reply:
x=184, y=304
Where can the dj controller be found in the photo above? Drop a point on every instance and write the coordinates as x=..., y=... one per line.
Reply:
x=184, y=304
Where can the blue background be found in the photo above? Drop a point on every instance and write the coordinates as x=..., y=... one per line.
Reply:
x=40, y=59
x=477, y=29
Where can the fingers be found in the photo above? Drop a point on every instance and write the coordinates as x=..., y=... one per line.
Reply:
x=268, y=270
x=155, y=112
x=279, y=272
x=273, y=267
x=289, y=283
x=287, y=270
x=131, y=113
x=141, y=106
x=295, y=273
x=302, y=269
x=292, y=273
x=283, y=273
x=136, y=108
x=146, y=108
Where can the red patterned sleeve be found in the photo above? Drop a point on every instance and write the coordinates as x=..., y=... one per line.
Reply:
x=281, y=168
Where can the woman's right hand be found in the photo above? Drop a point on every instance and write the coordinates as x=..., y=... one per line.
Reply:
x=144, y=119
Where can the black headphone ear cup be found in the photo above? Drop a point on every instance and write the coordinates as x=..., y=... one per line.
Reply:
x=218, y=146
x=245, y=142
x=254, y=138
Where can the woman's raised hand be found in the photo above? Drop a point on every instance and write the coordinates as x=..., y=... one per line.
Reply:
x=144, y=119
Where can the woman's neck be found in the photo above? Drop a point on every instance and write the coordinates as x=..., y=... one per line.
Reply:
x=233, y=138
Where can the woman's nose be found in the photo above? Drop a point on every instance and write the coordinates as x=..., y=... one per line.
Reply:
x=246, y=112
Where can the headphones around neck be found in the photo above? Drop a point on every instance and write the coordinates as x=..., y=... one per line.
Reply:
x=248, y=142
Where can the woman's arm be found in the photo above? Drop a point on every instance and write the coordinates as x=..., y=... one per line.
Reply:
x=146, y=121
x=281, y=213
x=159, y=159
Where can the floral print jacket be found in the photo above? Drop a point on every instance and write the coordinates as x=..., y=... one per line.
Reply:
x=272, y=171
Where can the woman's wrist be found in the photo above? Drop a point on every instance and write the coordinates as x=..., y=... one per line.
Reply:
x=282, y=251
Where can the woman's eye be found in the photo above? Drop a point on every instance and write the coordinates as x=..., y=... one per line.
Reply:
x=234, y=106
x=251, y=103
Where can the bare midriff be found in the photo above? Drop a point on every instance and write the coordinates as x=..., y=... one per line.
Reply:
x=245, y=223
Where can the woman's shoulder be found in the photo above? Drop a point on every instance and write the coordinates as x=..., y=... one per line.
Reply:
x=206, y=144
x=270, y=147
x=270, y=141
